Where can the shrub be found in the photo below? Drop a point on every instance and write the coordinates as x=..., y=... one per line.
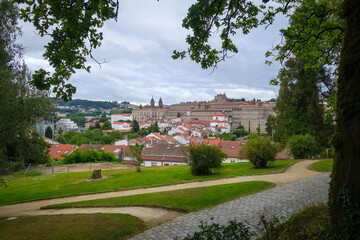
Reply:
x=235, y=230
x=90, y=155
x=203, y=158
x=260, y=151
x=303, y=146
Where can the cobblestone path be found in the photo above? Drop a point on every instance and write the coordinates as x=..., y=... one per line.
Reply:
x=281, y=201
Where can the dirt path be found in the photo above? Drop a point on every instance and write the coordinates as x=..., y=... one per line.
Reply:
x=295, y=172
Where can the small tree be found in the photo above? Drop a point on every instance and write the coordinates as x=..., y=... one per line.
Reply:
x=303, y=146
x=48, y=132
x=260, y=151
x=135, y=127
x=240, y=131
x=136, y=155
x=203, y=158
x=106, y=126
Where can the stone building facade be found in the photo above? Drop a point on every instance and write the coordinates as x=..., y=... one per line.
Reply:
x=252, y=117
x=197, y=114
x=145, y=114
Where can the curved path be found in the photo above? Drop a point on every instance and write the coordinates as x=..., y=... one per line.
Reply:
x=295, y=172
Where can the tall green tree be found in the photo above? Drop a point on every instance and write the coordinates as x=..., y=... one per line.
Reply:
x=299, y=108
x=48, y=132
x=21, y=105
x=135, y=126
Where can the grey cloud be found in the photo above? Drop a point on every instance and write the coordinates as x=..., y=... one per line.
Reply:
x=139, y=66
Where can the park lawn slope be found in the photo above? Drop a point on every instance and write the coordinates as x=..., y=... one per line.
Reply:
x=67, y=184
x=188, y=200
x=73, y=226
x=322, y=165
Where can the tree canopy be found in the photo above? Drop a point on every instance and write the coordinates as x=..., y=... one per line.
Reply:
x=21, y=104
x=74, y=30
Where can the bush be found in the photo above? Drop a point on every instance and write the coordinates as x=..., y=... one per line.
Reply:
x=235, y=230
x=303, y=146
x=203, y=158
x=260, y=151
x=90, y=155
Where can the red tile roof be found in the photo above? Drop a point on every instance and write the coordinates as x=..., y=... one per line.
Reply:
x=123, y=114
x=163, y=158
x=60, y=150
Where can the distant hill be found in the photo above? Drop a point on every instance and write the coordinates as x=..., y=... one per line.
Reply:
x=87, y=103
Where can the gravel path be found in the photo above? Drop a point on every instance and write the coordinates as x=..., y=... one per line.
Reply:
x=281, y=201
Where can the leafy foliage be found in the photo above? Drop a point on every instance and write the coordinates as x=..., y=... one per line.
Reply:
x=21, y=105
x=48, y=132
x=106, y=126
x=73, y=28
x=299, y=109
x=136, y=151
x=94, y=136
x=90, y=155
x=315, y=31
x=303, y=146
x=260, y=151
x=87, y=103
x=203, y=158
x=135, y=126
x=234, y=230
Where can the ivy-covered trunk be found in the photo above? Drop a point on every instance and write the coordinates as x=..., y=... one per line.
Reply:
x=344, y=199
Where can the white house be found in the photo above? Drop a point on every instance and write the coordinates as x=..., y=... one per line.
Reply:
x=144, y=125
x=121, y=126
x=157, y=136
x=182, y=139
x=121, y=117
x=66, y=125
x=220, y=124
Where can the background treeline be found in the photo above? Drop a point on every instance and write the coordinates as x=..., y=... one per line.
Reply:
x=86, y=103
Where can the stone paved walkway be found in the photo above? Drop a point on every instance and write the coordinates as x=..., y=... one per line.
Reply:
x=281, y=201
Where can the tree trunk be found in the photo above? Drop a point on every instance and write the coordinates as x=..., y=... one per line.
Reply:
x=344, y=197
x=96, y=174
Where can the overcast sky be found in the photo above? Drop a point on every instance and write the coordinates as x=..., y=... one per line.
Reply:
x=139, y=66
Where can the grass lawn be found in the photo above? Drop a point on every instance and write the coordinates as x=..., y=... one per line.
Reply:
x=66, y=184
x=75, y=227
x=322, y=165
x=189, y=200
x=20, y=174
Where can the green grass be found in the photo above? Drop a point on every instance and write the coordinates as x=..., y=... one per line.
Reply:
x=75, y=227
x=20, y=174
x=66, y=184
x=189, y=200
x=322, y=165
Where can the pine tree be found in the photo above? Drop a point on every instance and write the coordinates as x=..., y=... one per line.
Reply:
x=48, y=132
x=299, y=106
